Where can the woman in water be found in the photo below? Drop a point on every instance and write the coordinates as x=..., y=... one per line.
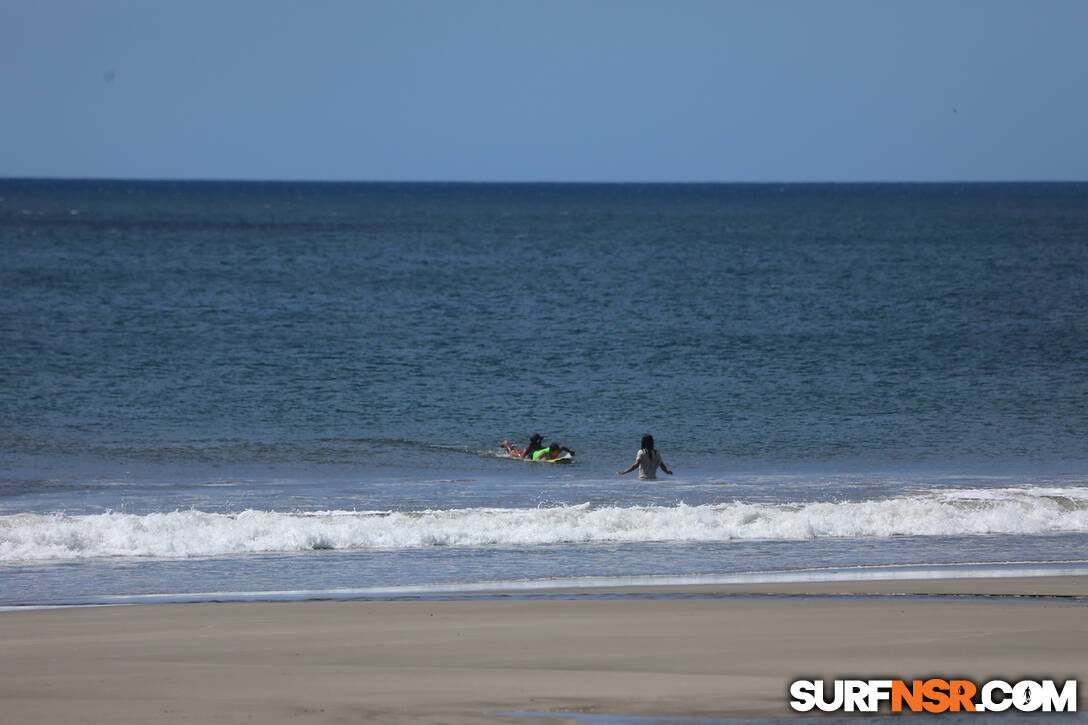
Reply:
x=647, y=461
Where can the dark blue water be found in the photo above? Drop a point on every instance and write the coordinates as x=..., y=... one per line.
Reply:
x=300, y=348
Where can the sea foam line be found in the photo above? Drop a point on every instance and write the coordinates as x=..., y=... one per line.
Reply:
x=180, y=534
x=567, y=587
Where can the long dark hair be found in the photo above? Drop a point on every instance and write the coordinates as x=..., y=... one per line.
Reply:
x=648, y=444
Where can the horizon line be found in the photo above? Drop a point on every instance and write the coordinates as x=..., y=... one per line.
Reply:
x=540, y=182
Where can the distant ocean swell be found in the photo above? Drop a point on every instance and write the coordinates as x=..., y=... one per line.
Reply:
x=28, y=538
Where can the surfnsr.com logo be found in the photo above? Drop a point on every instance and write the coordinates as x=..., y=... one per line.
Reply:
x=933, y=695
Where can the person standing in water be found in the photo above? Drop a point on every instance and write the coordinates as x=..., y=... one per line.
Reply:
x=647, y=461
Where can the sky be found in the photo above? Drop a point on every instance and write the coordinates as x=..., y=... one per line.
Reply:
x=549, y=90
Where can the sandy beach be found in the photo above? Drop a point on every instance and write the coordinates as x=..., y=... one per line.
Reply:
x=681, y=651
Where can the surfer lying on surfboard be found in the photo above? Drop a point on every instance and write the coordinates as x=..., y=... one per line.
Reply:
x=552, y=452
x=536, y=450
x=536, y=443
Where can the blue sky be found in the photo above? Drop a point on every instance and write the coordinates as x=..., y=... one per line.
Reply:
x=460, y=90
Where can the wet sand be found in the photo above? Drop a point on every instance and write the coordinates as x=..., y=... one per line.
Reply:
x=680, y=651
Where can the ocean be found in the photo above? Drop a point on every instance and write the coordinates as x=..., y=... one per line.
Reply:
x=214, y=390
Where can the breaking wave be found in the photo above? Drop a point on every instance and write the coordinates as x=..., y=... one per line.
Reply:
x=26, y=538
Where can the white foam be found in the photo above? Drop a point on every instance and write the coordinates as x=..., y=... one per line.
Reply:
x=180, y=534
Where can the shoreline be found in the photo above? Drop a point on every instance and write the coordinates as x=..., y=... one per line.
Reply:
x=465, y=661
x=898, y=580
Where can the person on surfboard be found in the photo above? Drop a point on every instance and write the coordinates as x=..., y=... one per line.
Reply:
x=536, y=443
x=553, y=451
x=536, y=450
x=647, y=461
